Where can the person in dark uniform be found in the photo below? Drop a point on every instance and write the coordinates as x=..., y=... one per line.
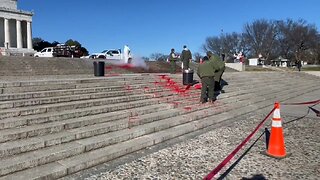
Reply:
x=206, y=72
x=173, y=59
x=218, y=75
x=186, y=57
x=299, y=65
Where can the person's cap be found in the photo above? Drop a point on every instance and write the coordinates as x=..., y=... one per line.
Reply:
x=172, y=49
x=184, y=46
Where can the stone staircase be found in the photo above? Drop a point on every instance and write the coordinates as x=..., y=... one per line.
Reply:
x=51, y=128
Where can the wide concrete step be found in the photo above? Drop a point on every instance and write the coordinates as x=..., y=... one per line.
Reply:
x=40, y=85
x=137, y=131
x=61, y=99
x=94, y=129
x=24, y=111
x=65, y=80
x=166, y=96
x=65, y=86
x=66, y=92
x=39, y=129
x=73, y=148
x=170, y=128
x=61, y=115
x=77, y=128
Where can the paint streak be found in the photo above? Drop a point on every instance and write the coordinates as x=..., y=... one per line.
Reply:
x=187, y=108
x=198, y=86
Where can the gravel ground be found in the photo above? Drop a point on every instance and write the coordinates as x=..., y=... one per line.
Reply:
x=195, y=158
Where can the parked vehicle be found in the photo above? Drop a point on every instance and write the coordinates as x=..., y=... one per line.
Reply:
x=114, y=54
x=62, y=50
x=46, y=52
x=108, y=54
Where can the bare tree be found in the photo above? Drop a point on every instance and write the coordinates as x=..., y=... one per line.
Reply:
x=213, y=44
x=197, y=56
x=316, y=52
x=158, y=56
x=233, y=43
x=297, y=38
x=260, y=36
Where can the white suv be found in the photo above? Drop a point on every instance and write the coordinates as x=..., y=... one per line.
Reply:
x=46, y=52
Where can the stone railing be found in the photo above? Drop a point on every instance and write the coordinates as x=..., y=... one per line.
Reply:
x=236, y=66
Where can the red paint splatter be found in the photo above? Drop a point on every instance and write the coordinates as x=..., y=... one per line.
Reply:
x=125, y=66
x=108, y=67
x=198, y=86
x=187, y=108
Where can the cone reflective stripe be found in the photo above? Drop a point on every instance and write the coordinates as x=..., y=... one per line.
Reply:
x=276, y=147
x=276, y=113
x=277, y=124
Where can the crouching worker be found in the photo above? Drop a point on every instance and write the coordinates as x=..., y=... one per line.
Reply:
x=206, y=72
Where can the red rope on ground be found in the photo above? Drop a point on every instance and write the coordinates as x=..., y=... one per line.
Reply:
x=234, y=152
x=303, y=103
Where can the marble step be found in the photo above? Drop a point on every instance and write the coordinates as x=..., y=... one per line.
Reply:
x=75, y=158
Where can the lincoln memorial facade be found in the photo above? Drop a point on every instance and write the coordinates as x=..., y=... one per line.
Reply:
x=15, y=29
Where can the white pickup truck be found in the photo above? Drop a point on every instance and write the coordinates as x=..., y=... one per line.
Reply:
x=114, y=54
x=108, y=54
x=46, y=52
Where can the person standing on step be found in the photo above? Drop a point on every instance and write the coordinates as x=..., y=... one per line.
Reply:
x=186, y=57
x=299, y=65
x=206, y=71
x=218, y=75
x=173, y=59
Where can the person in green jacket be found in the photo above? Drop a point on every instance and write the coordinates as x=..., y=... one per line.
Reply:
x=186, y=57
x=206, y=72
x=218, y=75
x=173, y=58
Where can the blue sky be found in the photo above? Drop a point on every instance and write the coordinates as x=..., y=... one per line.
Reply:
x=155, y=26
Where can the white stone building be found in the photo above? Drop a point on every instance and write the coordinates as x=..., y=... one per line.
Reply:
x=15, y=29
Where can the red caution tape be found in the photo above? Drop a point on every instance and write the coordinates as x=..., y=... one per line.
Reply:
x=303, y=103
x=234, y=152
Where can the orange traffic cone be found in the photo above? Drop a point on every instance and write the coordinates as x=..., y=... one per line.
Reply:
x=276, y=147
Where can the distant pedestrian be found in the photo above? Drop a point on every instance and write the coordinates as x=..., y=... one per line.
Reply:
x=186, y=57
x=299, y=65
x=173, y=59
x=206, y=71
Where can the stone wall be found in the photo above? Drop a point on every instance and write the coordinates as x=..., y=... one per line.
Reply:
x=10, y=4
x=236, y=66
x=30, y=66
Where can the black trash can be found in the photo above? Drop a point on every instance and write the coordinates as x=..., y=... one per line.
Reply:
x=98, y=68
x=187, y=76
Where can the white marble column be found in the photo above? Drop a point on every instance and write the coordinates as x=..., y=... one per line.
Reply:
x=29, y=36
x=6, y=33
x=19, y=34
